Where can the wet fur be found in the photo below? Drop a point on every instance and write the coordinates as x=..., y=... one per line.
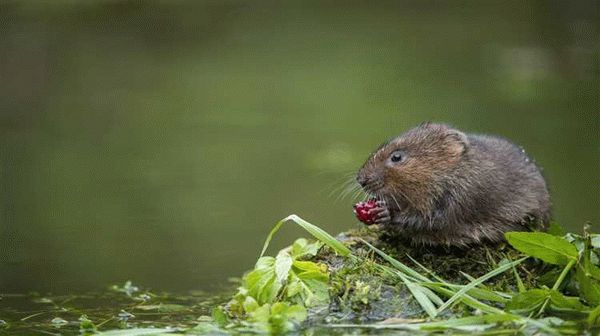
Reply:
x=455, y=189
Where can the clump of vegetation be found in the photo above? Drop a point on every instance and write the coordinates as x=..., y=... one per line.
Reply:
x=539, y=283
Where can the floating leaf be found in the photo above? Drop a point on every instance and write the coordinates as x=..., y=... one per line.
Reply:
x=57, y=321
x=124, y=315
x=219, y=317
x=549, y=248
x=127, y=288
x=86, y=326
x=162, y=307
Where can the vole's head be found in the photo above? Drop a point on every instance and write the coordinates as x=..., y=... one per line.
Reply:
x=407, y=171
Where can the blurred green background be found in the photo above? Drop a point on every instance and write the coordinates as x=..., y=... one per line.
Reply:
x=160, y=141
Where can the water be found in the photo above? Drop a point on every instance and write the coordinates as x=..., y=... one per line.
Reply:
x=159, y=142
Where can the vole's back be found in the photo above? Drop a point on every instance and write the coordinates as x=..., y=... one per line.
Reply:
x=514, y=188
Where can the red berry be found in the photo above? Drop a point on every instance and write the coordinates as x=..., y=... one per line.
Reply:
x=361, y=210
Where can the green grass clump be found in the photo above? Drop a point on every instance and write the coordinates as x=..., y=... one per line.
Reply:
x=367, y=287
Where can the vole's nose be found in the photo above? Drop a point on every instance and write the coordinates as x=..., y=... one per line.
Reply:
x=362, y=180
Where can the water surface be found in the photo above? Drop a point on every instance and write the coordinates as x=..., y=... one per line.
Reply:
x=159, y=142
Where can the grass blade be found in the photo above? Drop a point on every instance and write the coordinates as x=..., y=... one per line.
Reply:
x=478, y=293
x=425, y=269
x=520, y=284
x=419, y=295
x=314, y=230
x=438, y=325
x=398, y=265
x=479, y=281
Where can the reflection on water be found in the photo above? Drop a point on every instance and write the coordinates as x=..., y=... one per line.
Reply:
x=160, y=142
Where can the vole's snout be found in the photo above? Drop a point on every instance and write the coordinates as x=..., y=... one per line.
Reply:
x=362, y=180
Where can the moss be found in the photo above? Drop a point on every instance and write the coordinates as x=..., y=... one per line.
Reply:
x=360, y=292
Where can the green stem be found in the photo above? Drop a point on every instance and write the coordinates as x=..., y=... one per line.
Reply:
x=557, y=284
x=563, y=274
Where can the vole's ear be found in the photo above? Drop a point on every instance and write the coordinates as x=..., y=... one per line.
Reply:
x=457, y=142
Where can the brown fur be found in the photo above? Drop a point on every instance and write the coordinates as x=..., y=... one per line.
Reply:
x=451, y=188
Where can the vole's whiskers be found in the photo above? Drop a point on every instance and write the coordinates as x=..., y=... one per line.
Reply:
x=352, y=188
x=335, y=188
x=357, y=194
x=341, y=190
x=348, y=188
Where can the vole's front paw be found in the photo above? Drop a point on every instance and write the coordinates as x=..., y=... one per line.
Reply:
x=381, y=214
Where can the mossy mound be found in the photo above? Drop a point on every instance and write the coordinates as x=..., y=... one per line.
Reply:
x=360, y=292
x=541, y=282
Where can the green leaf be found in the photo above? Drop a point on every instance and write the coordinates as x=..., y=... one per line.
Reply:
x=309, y=282
x=588, y=287
x=261, y=282
x=283, y=264
x=250, y=304
x=86, y=326
x=593, y=319
x=588, y=266
x=301, y=248
x=277, y=318
x=593, y=271
x=549, y=248
x=297, y=313
x=261, y=314
x=219, y=317
x=533, y=299
x=526, y=302
x=560, y=302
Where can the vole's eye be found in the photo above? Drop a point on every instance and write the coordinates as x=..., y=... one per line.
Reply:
x=397, y=156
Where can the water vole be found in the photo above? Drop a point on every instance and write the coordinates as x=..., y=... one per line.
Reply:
x=439, y=186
